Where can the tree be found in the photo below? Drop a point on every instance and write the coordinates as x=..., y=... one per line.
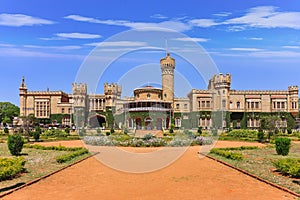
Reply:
x=8, y=111
x=269, y=123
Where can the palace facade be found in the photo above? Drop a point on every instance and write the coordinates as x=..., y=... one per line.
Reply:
x=157, y=108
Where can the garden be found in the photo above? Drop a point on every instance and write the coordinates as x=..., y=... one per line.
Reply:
x=22, y=162
x=278, y=163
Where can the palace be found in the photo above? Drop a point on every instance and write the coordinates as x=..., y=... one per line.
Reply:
x=154, y=108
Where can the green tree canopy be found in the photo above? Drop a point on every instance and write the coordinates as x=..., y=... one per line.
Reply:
x=8, y=111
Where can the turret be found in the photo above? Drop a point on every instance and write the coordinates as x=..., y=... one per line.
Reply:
x=167, y=66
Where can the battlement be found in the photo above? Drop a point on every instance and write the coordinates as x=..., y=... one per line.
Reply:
x=168, y=61
x=220, y=81
x=293, y=88
x=79, y=88
x=112, y=89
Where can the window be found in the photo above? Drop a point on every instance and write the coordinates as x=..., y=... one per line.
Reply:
x=230, y=104
x=282, y=105
x=224, y=103
x=203, y=104
x=208, y=104
x=256, y=105
x=62, y=110
x=185, y=106
x=69, y=110
x=148, y=95
x=178, y=122
x=177, y=106
x=238, y=105
x=252, y=105
x=278, y=104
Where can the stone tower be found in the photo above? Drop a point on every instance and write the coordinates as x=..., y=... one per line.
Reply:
x=79, y=91
x=112, y=93
x=23, y=98
x=293, y=100
x=167, y=66
x=220, y=86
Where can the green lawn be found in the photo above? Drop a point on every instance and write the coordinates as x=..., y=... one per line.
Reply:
x=38, y=163
x=260, y=162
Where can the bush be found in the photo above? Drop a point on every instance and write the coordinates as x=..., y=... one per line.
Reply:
x=98, y=130
x=10, y=167
x=199, y=130
x=15, y=144
x=36, y=135
x=171, y=130
x=243, y=133
x=70, y=156
x=6, y=130
x=288, y=166
x=67, y=130
x=107, y=133
x=260, y=136
x=112, y=130
x=282, y=146
x=148, y=136
x=227, y=154
x=289, y=130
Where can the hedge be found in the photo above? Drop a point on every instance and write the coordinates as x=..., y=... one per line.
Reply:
x=55, y=148
x=70, y=156
x=288, y=166
x=10, y=167
x=228, y=154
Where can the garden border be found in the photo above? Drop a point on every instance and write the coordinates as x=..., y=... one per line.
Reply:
x=45, y=176
x=252, y=175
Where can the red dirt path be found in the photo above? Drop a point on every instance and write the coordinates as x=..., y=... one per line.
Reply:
x=188, y=178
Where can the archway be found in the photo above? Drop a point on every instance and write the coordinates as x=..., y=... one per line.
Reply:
x=97, y=121
x=148, y=123
x=167, y=122
x=159, y=123
x=138, y=123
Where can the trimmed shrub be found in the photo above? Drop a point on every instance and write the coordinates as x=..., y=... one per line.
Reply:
x=6, y=130
x=15, y=144
x=112, y=130
x=260, y=136
x=36, y=135
x=10, y=167
x=199, y=130
x=55, y=148
x=282, y=146
x=70, y=156
x=228, y=154
x=98, y=130
x=289, y=130
x=67, y=130
x=148, y=136
x=288, y=166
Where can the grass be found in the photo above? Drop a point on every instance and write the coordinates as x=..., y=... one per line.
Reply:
x=260, y=162
x=38, y=163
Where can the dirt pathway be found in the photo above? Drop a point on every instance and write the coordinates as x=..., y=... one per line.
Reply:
x=188, y=178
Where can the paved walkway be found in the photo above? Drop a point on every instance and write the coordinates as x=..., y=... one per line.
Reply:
x=190, y=177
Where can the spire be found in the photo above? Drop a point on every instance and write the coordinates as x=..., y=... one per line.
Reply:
x=23, y=85
x=166, y=41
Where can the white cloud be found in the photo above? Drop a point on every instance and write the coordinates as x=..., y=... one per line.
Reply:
x=276, y=54
x=175, y=25
x=53, y=38
x=222, y=14
x=158, y=16
x=291, y=47
x=245, y=49
x=21, y=20
x=203, y=22
x=192, y=39
x=267, y=17
x=78, y=35
x=17, y=52
x=119, y=44
x=63, y=48
x=255, y=38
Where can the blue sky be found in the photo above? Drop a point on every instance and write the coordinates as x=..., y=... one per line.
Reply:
x=258, y=42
